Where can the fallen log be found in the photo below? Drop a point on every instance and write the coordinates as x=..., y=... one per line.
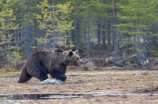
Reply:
x=119, y=62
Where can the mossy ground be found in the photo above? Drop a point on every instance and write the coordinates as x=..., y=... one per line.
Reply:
x=78, y=81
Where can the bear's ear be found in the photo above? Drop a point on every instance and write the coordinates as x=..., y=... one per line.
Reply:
x=70, y=53
x=76, y=52
x=59, y=50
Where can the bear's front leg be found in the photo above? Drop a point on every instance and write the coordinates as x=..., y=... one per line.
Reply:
x=58, y=72
x=58, y=75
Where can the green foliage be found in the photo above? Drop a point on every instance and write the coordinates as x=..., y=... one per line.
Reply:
x=135, y=20
x=136, y=17
x=15, y=57
x=54, y=19
x=83, y=54
x=155, y=53
x=7, y=24
x=154, y=49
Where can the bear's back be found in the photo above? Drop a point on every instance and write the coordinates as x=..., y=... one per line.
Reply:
x=47, y=58
x=41, y=56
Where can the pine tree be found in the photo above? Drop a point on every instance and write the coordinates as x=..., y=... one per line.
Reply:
x=54, y=20
x=8, y=45
x=136, y=17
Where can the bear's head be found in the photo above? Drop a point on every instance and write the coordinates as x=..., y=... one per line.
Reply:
x=73, y=58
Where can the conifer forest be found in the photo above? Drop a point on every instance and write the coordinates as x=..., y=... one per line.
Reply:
x=78, y=51
x=96, y=28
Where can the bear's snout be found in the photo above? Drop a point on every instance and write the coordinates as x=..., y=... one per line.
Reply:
x=80, y=62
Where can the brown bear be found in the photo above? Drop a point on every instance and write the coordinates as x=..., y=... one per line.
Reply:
x=44, y=62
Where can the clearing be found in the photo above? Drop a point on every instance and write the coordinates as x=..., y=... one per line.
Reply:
x=110, y=86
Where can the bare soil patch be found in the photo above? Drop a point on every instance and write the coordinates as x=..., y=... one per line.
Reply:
x=112, y=81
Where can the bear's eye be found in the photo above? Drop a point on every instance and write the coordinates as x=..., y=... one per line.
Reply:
x=77, y=58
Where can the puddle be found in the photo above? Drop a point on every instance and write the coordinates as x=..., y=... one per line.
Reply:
x=20, y=97
x=37, y=96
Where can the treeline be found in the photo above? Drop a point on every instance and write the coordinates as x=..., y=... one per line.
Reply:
x=96, y=28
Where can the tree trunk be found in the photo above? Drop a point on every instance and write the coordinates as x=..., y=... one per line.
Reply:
x=28, y=31
x=85, y=37
x=108, y=32
x=88, y=32
x=98, y=35
x=114, y=33
x=103, y=35
x=53, y=29
x=67, y=37
x=28, y=40
x=73, y=34
x=77, y=29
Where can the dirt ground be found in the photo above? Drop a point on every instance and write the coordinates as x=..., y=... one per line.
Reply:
x=111, y=81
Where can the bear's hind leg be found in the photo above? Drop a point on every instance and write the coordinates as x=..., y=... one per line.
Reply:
x=39, y=72
x=24, y=76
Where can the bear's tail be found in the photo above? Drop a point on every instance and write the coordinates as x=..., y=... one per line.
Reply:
x=24, y=76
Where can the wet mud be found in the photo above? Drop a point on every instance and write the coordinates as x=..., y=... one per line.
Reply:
x=84, y=87
x=67, y=95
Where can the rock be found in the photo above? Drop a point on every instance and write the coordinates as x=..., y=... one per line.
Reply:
x=90, y=63
x=52, y=81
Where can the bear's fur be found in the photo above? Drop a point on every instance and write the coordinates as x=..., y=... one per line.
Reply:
x=40, y=63
x=59, y=50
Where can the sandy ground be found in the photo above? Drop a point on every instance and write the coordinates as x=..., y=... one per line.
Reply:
x=105, y=81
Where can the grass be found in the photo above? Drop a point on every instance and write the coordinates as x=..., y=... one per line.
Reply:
x=108, y=81
x=5, y=73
